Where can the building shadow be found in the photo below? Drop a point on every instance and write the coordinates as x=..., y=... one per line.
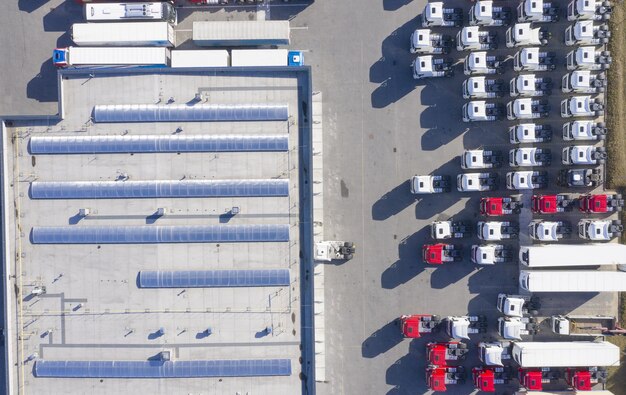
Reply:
x=392, y=202
x=43, y=87
x=383, y=340
x=392, y=71
x=409, y=263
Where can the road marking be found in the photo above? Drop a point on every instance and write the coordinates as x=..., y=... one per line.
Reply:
x=299, y=28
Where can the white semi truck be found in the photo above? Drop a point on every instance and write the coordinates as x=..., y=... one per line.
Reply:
x=109, y=56
x=572, y=281
x=240, y=33
x=135, y=34
x=573, y=255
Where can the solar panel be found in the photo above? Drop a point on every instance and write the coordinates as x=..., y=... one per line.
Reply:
x=159, y=234
x=189, y=113
x=214, y=278
x=151, y=144
x=158, y=189
x=162, y=369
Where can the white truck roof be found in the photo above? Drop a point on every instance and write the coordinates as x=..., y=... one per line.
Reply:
x=579, y=104
x=546, y=230
x=477, y=60
x=469, y=181
x=525, y=156
x=469, y=35
x=523, y=107
x=434, y=10
x=572, y=281
x=599, y=229
x=529, y=56
x=580, y=78
x=118, y=56
x=573, y=255
x=259, y=57
x=477, y=109
x=238, y=33
x=484, y=254
x=583, y=29
x=200, y=58
x=422, y=184
x=533, y=7
x=585, y=55
x=484, y=9
x=525, y=83
x=582, y=154
x=421, y=37
x=460, y=327
x=424, y=64
x=127, y=33
x=491, y=230
x=476, y=85
x=123, y=11
x=565, y=354
x=473, y=159
x=524, y=33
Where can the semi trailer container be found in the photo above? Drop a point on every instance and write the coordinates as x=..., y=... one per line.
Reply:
x=144, y=11
x=200, y=58
x=101, y=56
x=240, y=33
x=572, y=281
x=139, y=34
x=573, y=255
x=565, y=354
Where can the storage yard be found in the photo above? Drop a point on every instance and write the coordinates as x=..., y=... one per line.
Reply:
x=262, y=198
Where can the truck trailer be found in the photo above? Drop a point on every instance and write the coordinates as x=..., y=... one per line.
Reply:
x=135, y=34
x=240, y=33
x=265, y=57
x=572, y=281
x=119, y=56
x=200, y=58
x=573, y=255
x=565, y=354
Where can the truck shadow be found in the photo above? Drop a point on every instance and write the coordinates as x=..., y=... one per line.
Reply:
x=392, y=5
x=43, y=87
x=474, y=136
x=409, y=263
x=383, y=340
x=30, y=5
x=452, y=272
x=288, y=13
x=392, y=202
x=392, y=70
x=500, y=277
x=61, y=18
x=405, y=375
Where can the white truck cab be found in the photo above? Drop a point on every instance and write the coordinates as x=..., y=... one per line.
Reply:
x=582, y=81
x=587, y=33
x=524, y=34
x=589, y=10
x=583, y=155
x=584, y=130
x=523, y=180
x=530, y=133
x=588, y=58
x=582, y=106
x=429, y=184
x=599, y=229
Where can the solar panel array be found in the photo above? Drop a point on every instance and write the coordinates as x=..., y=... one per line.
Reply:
x=162, y=369
x=152, y=144
x=214, y=278
x=158, y=189
x=159, y=234
x=189, y=113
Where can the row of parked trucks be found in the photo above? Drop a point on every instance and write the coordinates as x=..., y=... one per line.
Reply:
x=533, y=157
x=579, y=364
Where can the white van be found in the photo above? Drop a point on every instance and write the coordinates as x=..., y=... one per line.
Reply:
x=153, y=11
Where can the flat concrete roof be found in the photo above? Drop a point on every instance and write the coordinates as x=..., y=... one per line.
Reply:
x=93, y=308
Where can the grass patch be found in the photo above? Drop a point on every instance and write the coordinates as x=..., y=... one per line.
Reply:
x=616, y=99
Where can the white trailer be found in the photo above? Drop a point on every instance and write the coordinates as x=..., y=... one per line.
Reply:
x=573, y=255
x=119, y=56
x=140, y=34
x=259, y=57
x=598, y=392
x=200, y=58
x=565, y=354
x=240, y=33
x=572, y=281
x=149, y=11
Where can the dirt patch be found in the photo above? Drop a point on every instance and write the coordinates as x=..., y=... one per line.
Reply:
x=616, y=110
x=617, y=376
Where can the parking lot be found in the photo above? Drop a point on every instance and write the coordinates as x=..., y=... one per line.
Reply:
x=382, y=127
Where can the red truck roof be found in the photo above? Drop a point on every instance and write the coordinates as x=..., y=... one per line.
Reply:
x=436, y=379
x=531, y=380
x=436, y=353
x=484, y=379
x=491, y=206
x=433, y=253
x=411, y=326
x=580, y=380
x=594, y=203
x=544, y=204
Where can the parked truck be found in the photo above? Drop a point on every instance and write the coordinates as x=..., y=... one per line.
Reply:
x=588, y=58
x=530, y=133
x=581, y=325
x=490, y=254
x=424, y=41
x=533, y=59
x=143, y=11
x=435, y=14
x=498, y=206
x=481, y=159
x=589, y=10
x=421, y=185
x=530, y=85
x=587, y=33
x=572, y=255
x=472, y=38
x=552, y=204
x=108, y=56
x=240, y=33
x=518, y=305
x=481, y=63
x=429, y=67
x=484, y=13
x=599, y=229
x=601, y=203
x=580, y=178
x=481, y=111
x=328, y=251
x=527, y=108
x=537, y=11
x=582, y=81
x=437, y=254
x=572, y=281
x=135, y=34
x=524, y=35
x=479, y=87
x=584, y=130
